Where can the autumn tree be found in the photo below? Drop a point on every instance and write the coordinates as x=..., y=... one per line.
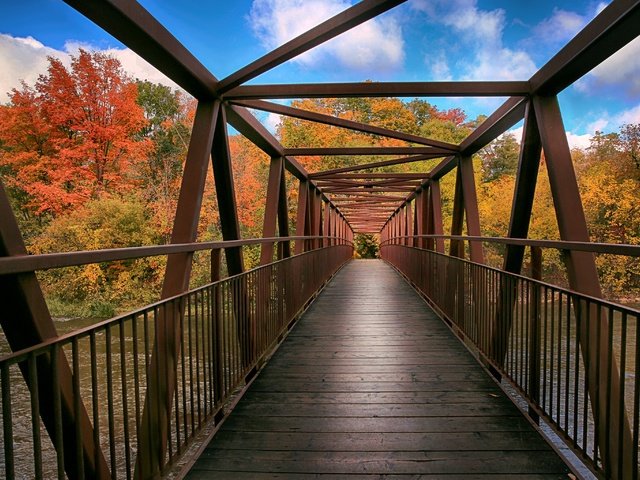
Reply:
x=500, y=157
x=169, y=118
x=72, y=136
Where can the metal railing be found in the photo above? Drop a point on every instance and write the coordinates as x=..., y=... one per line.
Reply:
x=573, y=358
x=222, y=332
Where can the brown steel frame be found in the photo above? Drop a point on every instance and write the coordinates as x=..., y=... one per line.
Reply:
x=335, y=202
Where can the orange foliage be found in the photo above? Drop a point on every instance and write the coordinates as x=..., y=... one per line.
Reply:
x=71, y=137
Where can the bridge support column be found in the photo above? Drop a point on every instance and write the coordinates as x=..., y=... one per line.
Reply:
x=616, y=441
x=156, y=414
x=26, y=321
x=272, y=208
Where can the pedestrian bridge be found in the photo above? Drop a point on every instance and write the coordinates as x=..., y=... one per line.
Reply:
x=315, y=365
x=371, y=382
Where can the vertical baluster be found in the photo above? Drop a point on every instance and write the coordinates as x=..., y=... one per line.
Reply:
x=7, y=421
x=35, y=415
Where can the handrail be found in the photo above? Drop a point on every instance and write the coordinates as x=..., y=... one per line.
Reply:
x=595, y=247
x=574, y=358
x=224, y=331
x=45, y=261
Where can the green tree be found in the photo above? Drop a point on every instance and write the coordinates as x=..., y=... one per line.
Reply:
x=500, y=158
x=367, y=245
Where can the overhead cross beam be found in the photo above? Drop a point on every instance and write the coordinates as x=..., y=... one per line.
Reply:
x=340, y=23
x=383, y=163
x=381, y=89
x=330, y=151
x=343, y=123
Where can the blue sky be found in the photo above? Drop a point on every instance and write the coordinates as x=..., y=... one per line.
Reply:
x=419, y=40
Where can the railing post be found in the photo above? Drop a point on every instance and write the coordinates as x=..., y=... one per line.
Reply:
x=217, y=330
x=534, y=332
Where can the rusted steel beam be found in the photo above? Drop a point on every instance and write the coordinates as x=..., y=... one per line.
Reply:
x=326, y=227
x=283, y=216
x=456, y=248
x=382, y=89
x=25, y=322
x=361, y=195
x=470, y=201
x=521, y=208
x=371, y=189
x=302, y=215
x=185, y=226
x=367, y=183
x=340, y=23
x=250, y=127
x=608, y=32
x=135, y=27
x=316, y=229
x=276, y=168
x=225, y=193
x=342, y=123
x=424, y=218
x=157, y=405
x=31, y=263
x=605, y=389
x=524, y=192
x=383, y=163
x=330, y=151
x=506, y=116
x=414, y=176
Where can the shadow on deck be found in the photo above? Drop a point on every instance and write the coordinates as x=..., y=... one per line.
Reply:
x=371, y=383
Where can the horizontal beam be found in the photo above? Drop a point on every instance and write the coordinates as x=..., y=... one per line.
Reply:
x=381, y=89
x=340, y=23
x=367, y=189
x=382, y=175
x=626, y=250
x=342, y=123
x=383, y=163
x=330, y=151
x=32, y=263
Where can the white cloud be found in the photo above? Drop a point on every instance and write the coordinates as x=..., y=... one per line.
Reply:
x=579, y=141
x=574, y=140
x=376, y=44
x=517, y=133
x=272, y=121
x=481, y=31
x=560, y=27
x=621, y=70
x=21, y=59
x=26, y=58
x=631, y=115
x=439, y=68
x=598, y=125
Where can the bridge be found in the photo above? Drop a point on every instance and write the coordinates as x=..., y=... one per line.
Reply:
x=426, y=362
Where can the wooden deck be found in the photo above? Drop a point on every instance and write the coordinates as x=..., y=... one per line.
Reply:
x=371, y=384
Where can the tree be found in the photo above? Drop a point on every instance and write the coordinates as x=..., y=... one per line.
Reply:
x=72, y=137
x=169, y=119
x=500, y=158
x=366, y=245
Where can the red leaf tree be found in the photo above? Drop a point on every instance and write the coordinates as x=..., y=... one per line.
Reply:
x=72, y=136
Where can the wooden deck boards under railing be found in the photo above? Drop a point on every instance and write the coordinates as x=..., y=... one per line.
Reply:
x=370, y=382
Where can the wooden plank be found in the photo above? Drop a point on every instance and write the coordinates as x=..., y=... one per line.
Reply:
x=381, y=442
x=371, y=383
x=381, y=463
x=238, y=475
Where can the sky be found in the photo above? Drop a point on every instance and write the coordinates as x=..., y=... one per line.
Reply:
x=420, y=40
